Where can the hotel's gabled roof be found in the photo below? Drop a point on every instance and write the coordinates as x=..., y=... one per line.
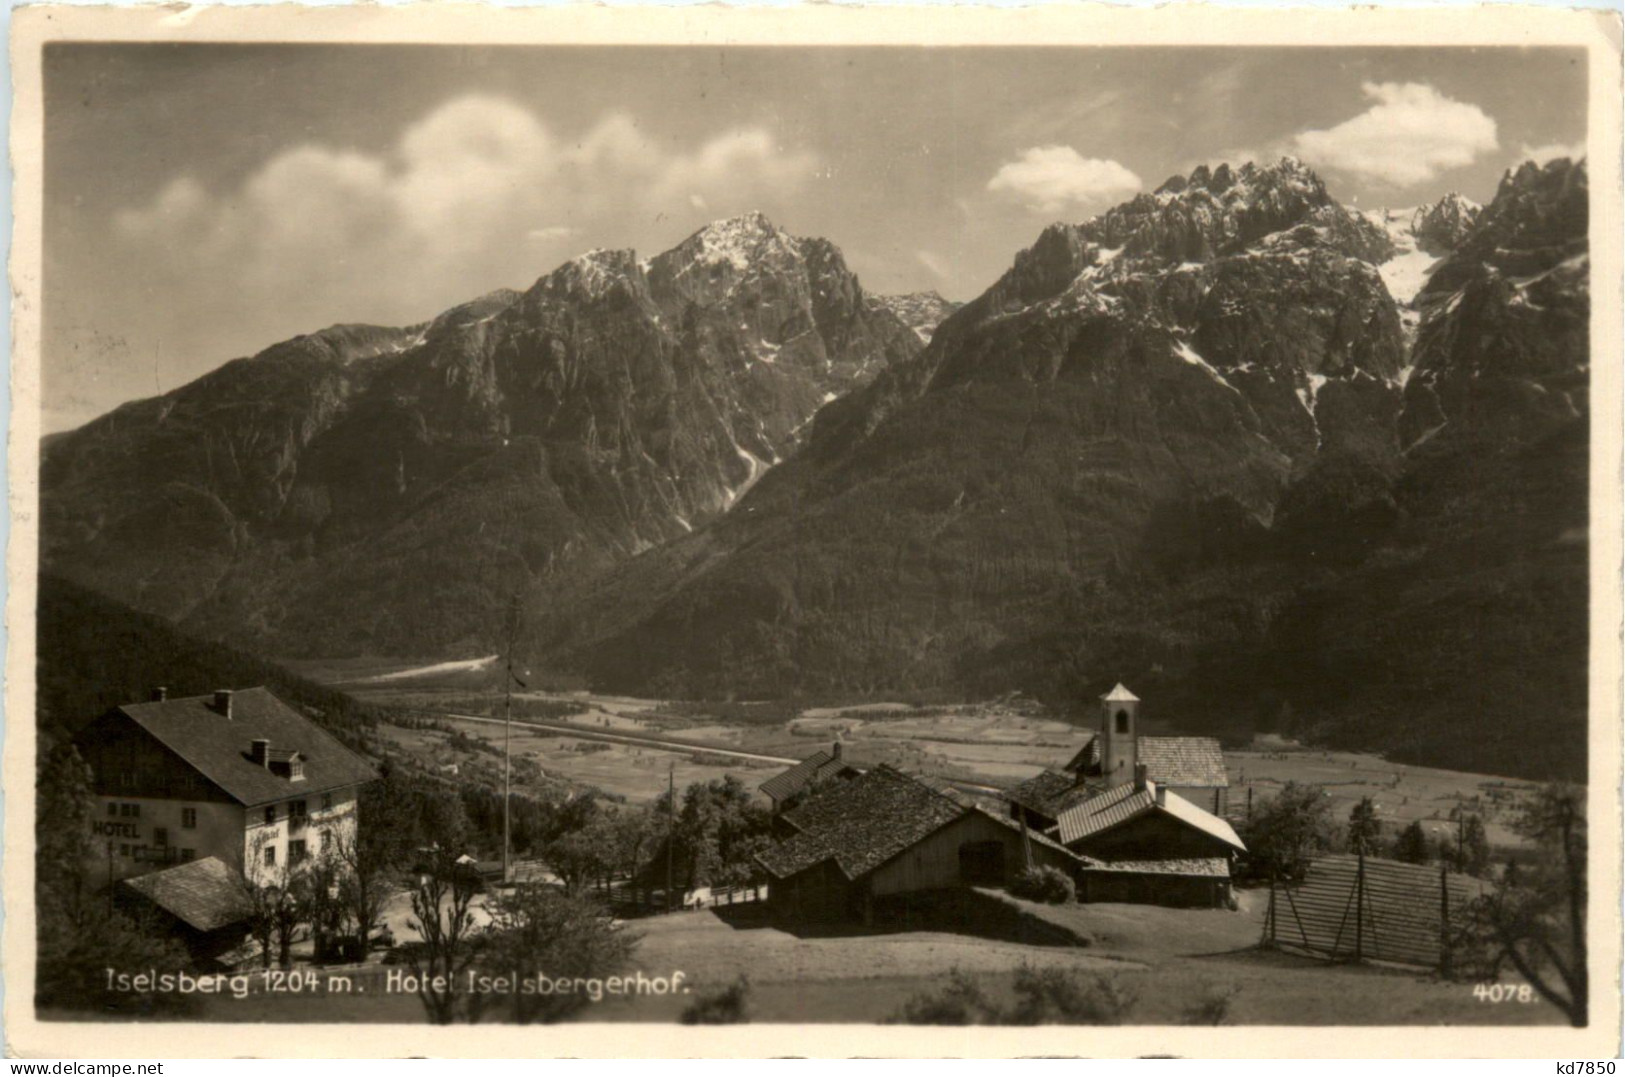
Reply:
x=218, y=747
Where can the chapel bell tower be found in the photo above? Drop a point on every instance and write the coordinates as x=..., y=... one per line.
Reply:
x=1119, y=743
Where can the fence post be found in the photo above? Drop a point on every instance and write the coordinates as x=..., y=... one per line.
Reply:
x=1267, y=942
x=1445, y=962
x=1359, y=908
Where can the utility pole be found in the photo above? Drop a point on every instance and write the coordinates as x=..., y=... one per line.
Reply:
x=507, y=744
x=671, y=828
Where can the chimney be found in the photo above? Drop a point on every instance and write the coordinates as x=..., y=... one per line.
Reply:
x=835, y=750
x=259, y=751
x=1140, y=776
x=222, y=701
x=160, y=694
x=1162, y=796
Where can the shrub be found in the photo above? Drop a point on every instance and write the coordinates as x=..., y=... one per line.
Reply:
x=1049, y=885
x=961, y=1002
x=1063, y=996
x=1212, y=1008
x=730, y=1006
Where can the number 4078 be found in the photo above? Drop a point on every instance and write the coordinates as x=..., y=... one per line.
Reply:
x=1507, y=992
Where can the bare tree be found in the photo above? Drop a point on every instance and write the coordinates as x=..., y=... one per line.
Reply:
x=1535, y=920
x=443, y=920
x=364, y=881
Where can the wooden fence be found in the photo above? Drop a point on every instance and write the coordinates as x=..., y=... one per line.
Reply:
x=1358, y=908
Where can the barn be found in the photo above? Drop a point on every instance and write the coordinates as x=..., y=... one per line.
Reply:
x=1152, y=846
x=884, y=833
x=789, y=786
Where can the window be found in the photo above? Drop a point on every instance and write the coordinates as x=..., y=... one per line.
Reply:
x=112, y=808
x=327, y=801
x=188, y=854
x=160, y=836
x=270, y=856
x=1122, y=721
x=297, y=852
x=270, y=815
x=189, y=818
x=296, y=770
x=296, y=809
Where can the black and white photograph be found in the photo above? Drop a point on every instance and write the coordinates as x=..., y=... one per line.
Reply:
x=757, y=531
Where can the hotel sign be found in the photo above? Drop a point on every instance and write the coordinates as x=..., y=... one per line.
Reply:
x=112, y=828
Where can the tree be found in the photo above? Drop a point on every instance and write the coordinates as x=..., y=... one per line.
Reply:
x=1287, y=831
x=578, y=858
x=637, y=835
x=1364, y=828
x=323, y=898
x=65, y=806
x=1472, y=853
x=450, y=941
x=1411, y=845
x=719, y=830
x=1535, y=919
x=535, y=930
x=78, y=935
x=364, y=881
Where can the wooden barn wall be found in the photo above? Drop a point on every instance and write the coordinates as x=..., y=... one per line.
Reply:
x=933, y=862
x=819, y=893
x=1152, y=836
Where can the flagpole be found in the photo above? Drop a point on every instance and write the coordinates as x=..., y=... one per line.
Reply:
x=507, y=754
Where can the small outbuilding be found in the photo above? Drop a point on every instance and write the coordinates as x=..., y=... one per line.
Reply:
x=814, y=772
x=202, y=903
x=884, y=833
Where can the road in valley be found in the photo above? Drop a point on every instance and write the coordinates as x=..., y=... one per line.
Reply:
x=667, y=744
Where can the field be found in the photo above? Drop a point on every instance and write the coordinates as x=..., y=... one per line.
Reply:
x=1171, y=960
x=996, y=743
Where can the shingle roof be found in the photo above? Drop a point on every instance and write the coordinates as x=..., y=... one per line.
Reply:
x=1203, y=820
x=1124, y=802
x=1187, y=761
x=1116, y=805
x=203, y=894
x=1214, y=866
x=815, y=768
x=1034, y=836
x=1051, y=793
x=219, y=746
x=1087, y=757
x=861, y=824
x=1193, y=762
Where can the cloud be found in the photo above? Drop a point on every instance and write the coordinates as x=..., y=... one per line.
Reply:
x=1409, y=135
x=1049, y=179
x=933, y=262
x=322, y=234
x=1552, y=151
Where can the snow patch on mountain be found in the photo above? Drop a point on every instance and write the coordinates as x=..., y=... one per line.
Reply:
x=1187, y=353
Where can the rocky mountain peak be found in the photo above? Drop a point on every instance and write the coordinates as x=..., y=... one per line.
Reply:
x=1440, y=227
x=920, y=311
x=593, y=276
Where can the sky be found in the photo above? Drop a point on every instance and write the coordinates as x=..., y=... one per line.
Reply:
x=205, y=201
